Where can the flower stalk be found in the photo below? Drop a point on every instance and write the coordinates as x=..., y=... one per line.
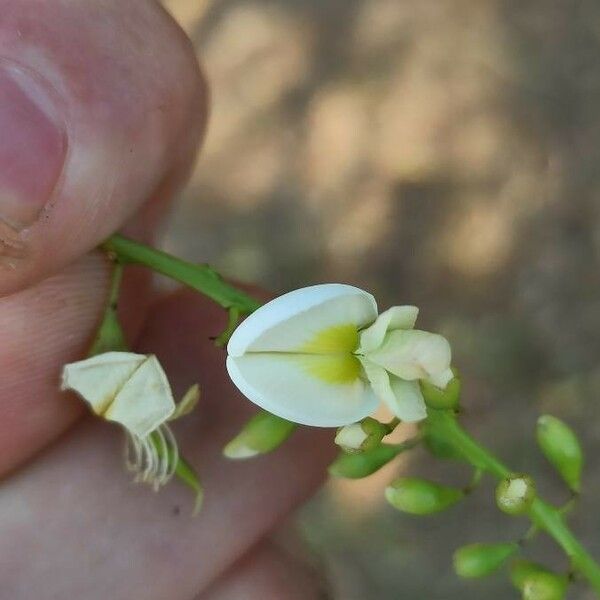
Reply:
x=543, y=514
x=441, y=431
x=199, y=277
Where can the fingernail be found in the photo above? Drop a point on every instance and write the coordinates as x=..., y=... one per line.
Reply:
x=32, y=146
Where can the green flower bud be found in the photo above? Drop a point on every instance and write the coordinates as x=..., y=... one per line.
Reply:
x=480, y=560
x=362, y=464
x=515, y=494
x=420, y=497
x=448, y=397
x=544, y=586
x=364, y=435
x=263, y=433
x=521, y=570
x=561, y=447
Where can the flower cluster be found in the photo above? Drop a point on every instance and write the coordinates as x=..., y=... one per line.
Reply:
x=323, y=356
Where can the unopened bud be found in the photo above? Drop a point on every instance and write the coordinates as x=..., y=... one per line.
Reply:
x=479, y=560
x=561, y=447
x=421, y=497
x=436, y=397
x=364, y=435
x=261, y=434
x=363, y=464
x=521, y=570
x=515, y=494
x=544, y=586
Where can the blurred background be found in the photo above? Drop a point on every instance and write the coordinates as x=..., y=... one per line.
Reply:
x=443, y=153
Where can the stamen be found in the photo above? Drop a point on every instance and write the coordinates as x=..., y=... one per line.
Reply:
x=162, y=454
x=132, y=447
x=154, y=458
x=151, y=458
x=174, y=454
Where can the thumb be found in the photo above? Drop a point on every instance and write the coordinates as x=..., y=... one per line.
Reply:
x=101, y=109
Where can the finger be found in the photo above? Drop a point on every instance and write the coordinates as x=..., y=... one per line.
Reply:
x=120, y=153
x=101, y=108
x=120, y=541
x=266, y=573
x=43, y=328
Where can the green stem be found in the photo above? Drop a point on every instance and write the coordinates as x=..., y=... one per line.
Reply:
x=203, y=279
x=475, y=480
x=543, y=514
x=392, y=425
x=110, y=335
x=199, y=277
x=232, y=322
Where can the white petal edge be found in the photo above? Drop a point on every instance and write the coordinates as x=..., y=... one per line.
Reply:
x=442, y=379
x=396, y=317
x=98, y=379
x=403, y=398
x=291, y=320
x=279, y=385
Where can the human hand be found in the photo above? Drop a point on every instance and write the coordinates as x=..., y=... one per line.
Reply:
x=101, y=110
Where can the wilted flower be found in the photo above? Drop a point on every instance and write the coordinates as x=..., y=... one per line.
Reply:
x=133, y=390
x=322, y=356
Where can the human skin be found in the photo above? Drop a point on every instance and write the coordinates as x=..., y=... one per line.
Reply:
x=102, y=108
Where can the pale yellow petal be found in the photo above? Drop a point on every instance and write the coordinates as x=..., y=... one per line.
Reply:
x=98, y=379
x=145, y=401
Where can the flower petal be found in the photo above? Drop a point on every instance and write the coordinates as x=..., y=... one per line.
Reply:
x=396, y=317
x=98, y=379
x=410, y=404
x=442, y=379
x=292, y=387
x=413, y=354
x=379, y=379
x=293, y=321
x=145, y=401
x=404, y=398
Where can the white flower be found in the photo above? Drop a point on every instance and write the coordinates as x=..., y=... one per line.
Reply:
x=322, y=356
x=133, y=390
